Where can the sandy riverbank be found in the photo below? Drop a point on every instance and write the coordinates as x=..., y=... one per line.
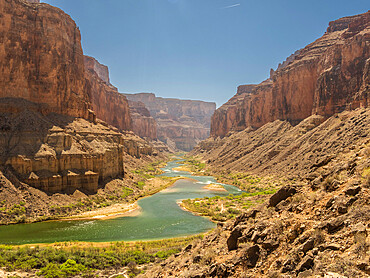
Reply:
x=113, y=211
x=182, y=169
x=123, y=209
x=215, y=187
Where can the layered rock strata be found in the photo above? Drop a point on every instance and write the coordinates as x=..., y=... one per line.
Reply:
x=50, y=137
x=60, y=154
x=108, y=104
x=180, y=123
x=143, y=124
x=41, y=58
x=324, y=78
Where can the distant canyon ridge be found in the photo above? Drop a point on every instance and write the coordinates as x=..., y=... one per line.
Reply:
x=181, y=124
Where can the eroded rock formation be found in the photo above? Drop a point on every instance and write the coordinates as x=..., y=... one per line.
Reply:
x=143, y=124
x=108, y=104
x=50, y=137
x=181, y=123
x=326, y=77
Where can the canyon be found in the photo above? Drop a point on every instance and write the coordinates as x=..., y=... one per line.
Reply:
x=181, y=124
x=298, y=143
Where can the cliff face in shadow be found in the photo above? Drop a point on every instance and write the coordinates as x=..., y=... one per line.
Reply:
x=324, y=78
x=180, y=123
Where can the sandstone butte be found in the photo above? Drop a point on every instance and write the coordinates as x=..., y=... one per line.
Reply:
x=324, y=78
x=182, y=124
x=56, y=104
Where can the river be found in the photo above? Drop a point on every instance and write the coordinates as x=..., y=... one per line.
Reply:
x=160, y=217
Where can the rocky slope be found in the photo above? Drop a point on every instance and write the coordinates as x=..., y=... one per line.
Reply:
x=316, y=225
x=180, y=123
x=324, y=78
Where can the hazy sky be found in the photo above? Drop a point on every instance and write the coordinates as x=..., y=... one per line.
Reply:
x=198, y=49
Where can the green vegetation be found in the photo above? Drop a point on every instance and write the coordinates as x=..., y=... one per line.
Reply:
x=147, y=172
x=244, y=181
x=225, y=208
x=126, y=192
x=196, y=166
x=70, y=259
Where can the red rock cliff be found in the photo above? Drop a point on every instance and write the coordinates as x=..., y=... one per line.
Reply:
x=326, y=77
x=143, y=124
x=42, y=71
x=181, y=123
x=108, y=104
x=41, y=58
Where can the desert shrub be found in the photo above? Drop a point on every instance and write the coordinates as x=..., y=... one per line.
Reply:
x=70, y=268
x=167, y=253
x=51, y=271
x=140, y=184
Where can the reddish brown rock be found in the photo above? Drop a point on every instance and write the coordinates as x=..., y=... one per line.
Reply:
x=180, y=123
x=50, y=138
x=91, y=64
x=326, y=77
x=143, y=124
x=41, y=58
x=108, y=104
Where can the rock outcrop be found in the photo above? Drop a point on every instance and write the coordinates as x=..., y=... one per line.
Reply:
x=324, y=78
x=181, y=123
x=41, y=59
x=143, y=124
x=108, y=104
x=91, y=64
x=60, y=154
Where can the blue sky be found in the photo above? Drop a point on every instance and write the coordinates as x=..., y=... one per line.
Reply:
x=198, y=49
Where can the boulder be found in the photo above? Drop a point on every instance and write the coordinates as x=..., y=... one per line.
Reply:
x=282, y=194
x=232, y=241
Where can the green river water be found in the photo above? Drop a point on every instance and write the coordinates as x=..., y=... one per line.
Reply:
x=161, y=217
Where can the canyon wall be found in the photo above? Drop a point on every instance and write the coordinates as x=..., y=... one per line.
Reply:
x=108, y=104
x=41, y=58
x=50, y=95
x=143, y=124
x=180, y=123
x=326, y=77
